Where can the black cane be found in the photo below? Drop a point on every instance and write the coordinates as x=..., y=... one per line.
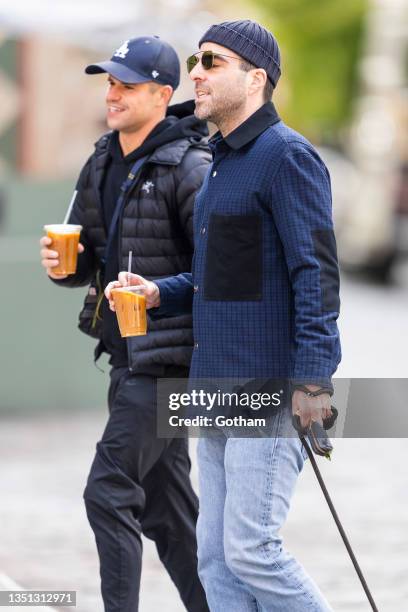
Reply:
x=323, y=487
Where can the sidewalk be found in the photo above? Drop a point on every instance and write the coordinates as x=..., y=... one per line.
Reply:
x=46, y=543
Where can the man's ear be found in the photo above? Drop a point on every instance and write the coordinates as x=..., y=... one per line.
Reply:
x=258, y=80
x=166, y=93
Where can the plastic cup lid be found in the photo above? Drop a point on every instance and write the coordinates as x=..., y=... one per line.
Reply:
x=63, y=228
x=140, y=289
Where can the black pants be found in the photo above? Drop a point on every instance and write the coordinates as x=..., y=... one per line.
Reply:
x=141, y=484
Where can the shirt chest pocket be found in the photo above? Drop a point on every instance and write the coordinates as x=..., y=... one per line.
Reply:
x=233, y=265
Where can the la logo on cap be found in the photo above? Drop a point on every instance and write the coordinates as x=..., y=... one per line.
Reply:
x=122, y=51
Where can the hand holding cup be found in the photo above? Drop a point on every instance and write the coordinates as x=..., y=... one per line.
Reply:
x=150, y=289
x=50, y=258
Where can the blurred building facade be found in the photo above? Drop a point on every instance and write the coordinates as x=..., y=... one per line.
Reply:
x=374, y=228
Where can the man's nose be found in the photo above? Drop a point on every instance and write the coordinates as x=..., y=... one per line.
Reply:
x=197, y=73
x=112, y=94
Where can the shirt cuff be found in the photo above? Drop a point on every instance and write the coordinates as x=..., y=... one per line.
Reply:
x=322, y=383
x=175, y=298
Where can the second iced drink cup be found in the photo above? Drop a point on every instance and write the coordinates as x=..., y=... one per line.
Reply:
x=130, y=306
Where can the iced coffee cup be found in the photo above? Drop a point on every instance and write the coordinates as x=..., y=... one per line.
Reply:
x=65, y=239
x=130, y=307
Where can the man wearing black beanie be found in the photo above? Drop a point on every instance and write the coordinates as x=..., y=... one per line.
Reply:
x=265, y=294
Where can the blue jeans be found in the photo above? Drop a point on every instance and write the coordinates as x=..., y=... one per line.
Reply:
x=245, y=489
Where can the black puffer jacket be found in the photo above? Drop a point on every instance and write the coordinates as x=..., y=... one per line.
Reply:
x=156, y=225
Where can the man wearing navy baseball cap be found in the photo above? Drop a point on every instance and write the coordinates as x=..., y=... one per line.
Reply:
x=142, y=60
x=156, y=156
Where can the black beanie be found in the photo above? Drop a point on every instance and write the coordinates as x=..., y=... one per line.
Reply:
x=249, y=40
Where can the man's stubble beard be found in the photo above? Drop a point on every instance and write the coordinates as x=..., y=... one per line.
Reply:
x=222, y=108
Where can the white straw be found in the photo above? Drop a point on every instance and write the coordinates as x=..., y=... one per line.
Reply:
x=74, y=195
x=129, y=266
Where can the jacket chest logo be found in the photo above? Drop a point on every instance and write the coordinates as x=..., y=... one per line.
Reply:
x=147, y=185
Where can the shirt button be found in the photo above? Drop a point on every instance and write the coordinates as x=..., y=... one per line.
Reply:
x=196, y=345
x=214, y=173
x=195, y=288
x=203, y=230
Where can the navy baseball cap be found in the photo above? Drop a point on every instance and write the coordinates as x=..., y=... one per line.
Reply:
x=142, y=59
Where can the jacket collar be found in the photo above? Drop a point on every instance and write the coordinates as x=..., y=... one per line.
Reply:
x=169, y=154
x=250, y=129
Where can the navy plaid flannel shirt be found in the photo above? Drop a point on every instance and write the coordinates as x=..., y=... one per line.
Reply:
x=264, y=286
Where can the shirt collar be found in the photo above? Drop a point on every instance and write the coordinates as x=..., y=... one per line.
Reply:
x=256, y=123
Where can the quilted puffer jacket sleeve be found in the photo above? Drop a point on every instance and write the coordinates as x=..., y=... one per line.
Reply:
x=189, y=177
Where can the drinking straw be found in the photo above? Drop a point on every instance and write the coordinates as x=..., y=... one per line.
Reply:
x=129, y=266
x=74, y=195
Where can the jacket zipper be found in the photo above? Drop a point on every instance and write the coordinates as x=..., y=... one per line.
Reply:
x=120, y=225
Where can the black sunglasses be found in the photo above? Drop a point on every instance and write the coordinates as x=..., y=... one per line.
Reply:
x=207, y=59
